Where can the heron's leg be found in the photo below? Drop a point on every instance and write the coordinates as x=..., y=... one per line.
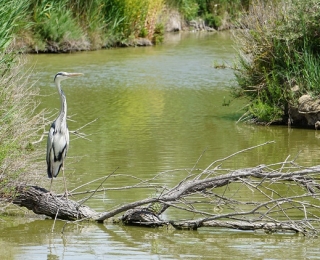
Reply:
x=50, y=193
x=65, y=184
x=51, y=185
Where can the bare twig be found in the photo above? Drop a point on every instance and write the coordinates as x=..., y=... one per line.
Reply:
x=107, y=177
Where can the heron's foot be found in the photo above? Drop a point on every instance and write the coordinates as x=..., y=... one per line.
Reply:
x=48, y=194
x=67, y=194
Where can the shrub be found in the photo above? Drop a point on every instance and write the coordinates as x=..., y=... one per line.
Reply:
x=143, y=32
x=158, y=34
x=278, y=51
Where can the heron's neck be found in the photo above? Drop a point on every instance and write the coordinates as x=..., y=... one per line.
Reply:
x=63, y=110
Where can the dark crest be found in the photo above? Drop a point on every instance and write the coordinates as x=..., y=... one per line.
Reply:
x=59, y=73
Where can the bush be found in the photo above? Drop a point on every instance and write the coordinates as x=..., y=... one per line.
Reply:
x=143, y=32
x=278, y=52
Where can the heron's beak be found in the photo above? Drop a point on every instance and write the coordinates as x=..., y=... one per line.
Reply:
x=74, y=74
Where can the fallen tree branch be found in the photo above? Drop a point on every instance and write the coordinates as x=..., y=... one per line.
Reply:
x=41, y=201
x=241, y=225
x=262, y=197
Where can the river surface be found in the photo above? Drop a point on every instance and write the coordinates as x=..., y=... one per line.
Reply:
x=153, y=109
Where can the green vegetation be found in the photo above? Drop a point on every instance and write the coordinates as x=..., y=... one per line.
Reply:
x=67, y=25
x=129, y=19
x=54, y=22
x=217, y=14
x=18, y=123
x=11, y=18
x=279, y=57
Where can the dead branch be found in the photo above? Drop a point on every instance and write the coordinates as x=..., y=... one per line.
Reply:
x=241, y=225
x=40, y=201
x=279, y=197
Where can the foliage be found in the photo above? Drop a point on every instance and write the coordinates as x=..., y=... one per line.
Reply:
x=212, y=12
x=189, y=9
x=158, y=34
x=278, y=51
x=90, y=13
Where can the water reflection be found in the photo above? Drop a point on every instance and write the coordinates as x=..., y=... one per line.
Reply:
x=89, y=241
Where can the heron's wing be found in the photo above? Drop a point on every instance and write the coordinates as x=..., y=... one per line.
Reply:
x=67, y=140
x=50, y=152
x=57, y=147
x=60, y=145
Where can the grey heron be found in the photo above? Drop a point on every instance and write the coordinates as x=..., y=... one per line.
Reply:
x=58, y=137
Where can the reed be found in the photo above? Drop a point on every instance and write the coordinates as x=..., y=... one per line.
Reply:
x=12, y=17
x=20, y=125
x=18, y=121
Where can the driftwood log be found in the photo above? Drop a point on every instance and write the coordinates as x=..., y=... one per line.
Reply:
x=216, y=190
x=41, y=201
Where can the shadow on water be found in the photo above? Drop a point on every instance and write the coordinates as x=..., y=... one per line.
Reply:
x=34, y=240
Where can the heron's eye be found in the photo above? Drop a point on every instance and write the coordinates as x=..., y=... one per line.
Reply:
x=58, y=74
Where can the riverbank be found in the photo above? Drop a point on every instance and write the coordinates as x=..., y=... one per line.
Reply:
x=66, y=27
x=170, y=21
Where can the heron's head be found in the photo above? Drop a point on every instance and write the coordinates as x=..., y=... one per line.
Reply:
x=65, y=75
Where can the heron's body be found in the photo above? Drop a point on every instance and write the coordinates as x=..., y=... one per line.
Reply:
x=58, y=144
x=58, y=137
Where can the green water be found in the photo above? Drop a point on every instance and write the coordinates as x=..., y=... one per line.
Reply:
x=157, y=109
